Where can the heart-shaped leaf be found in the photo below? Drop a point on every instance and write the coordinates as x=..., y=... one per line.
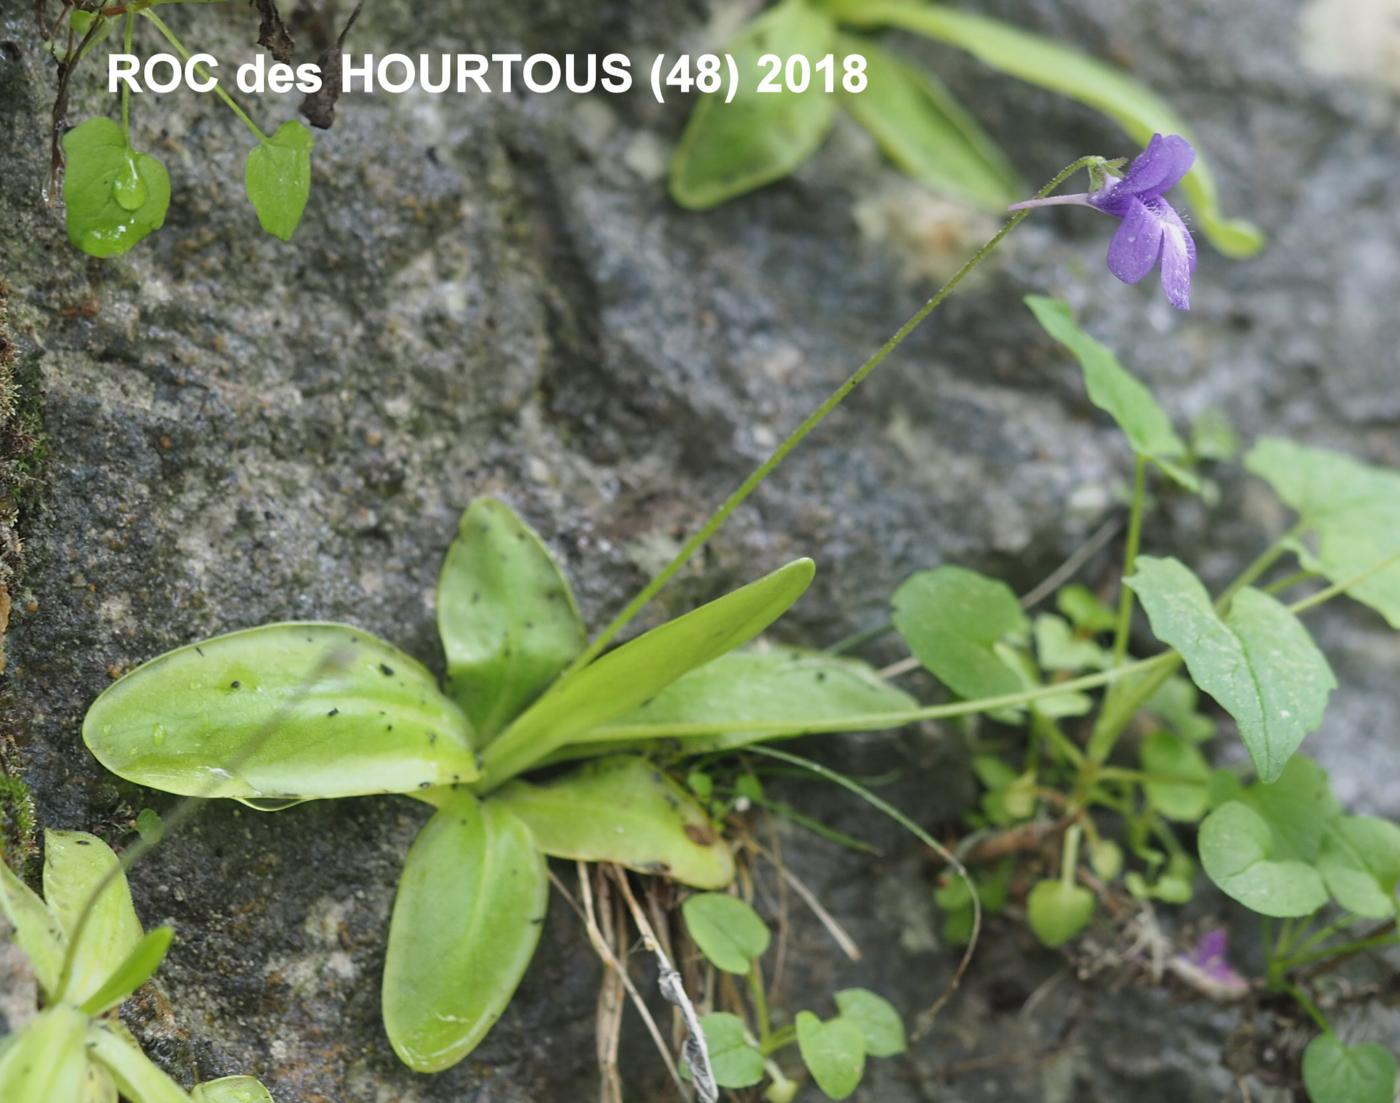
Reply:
x=729, y=932
x=1114, y=390
x=136, y=1077
x=747, y=696
x=467, y=917
x=506, y=616
x=76, y=865
x=1058, y=911
x=924, y=130
x=277, y=177
x=1259, y=662
x=623, y=809
x=45, y=1061
x=734, y=1060
x=282, y=713
x=622, y=679
x=1353, y=508
x=115, y=196
x=1337, y=1073
x=1058, y=647
x=876, y=1019
x=1360, y=862
x=231, y=1089
x=952, y=619
x=833, y=1051
x=1250, y=863
x=758, y=137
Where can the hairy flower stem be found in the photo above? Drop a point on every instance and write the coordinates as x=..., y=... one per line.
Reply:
x=126, y=88
x=815, y=418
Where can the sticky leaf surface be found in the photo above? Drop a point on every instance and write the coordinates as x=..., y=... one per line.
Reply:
x=466, y=920
x=623, y=809
x=506, y=616
x=285, y=712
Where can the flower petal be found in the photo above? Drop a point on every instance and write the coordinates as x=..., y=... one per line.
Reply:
x=1137, y=244
x=1178, y=255
x=1158, y=168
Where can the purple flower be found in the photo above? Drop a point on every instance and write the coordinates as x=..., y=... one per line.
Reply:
x=1207, y=967
x=1151, y=232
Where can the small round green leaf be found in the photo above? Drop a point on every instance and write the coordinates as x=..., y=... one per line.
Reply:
x=876, y=1019
x=733, y=1058
x=1057, y=911
x=115, y=196
x=1243, y=856
x=729, y=932
x=834, y=1053
x=231, y=1089
x=1337, y=1073
x=952, y=618
x=278, y=178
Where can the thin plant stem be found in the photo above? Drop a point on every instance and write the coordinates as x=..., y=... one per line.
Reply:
x=815, y=418
x=1130, y=553
x=760, y=1005
x=879, y=721
x=229, y=101
x=1289, y=581
x=1069, y=864
x=1311, y=1008
x=1312, y=601
x=1256, y=570
x=926, y=1019
x=126, y=88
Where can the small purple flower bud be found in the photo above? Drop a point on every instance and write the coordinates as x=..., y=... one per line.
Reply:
x=1151, y=232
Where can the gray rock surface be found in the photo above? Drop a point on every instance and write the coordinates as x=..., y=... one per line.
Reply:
x=494, y=295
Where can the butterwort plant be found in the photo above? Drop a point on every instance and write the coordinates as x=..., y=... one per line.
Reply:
x=89, y=954
x=276, y=715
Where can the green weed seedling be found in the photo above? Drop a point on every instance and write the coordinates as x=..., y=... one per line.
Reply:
x=761, y=136
x=115, y=194
x=743, y=1047
x=1123, y=777
x=89, y=954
